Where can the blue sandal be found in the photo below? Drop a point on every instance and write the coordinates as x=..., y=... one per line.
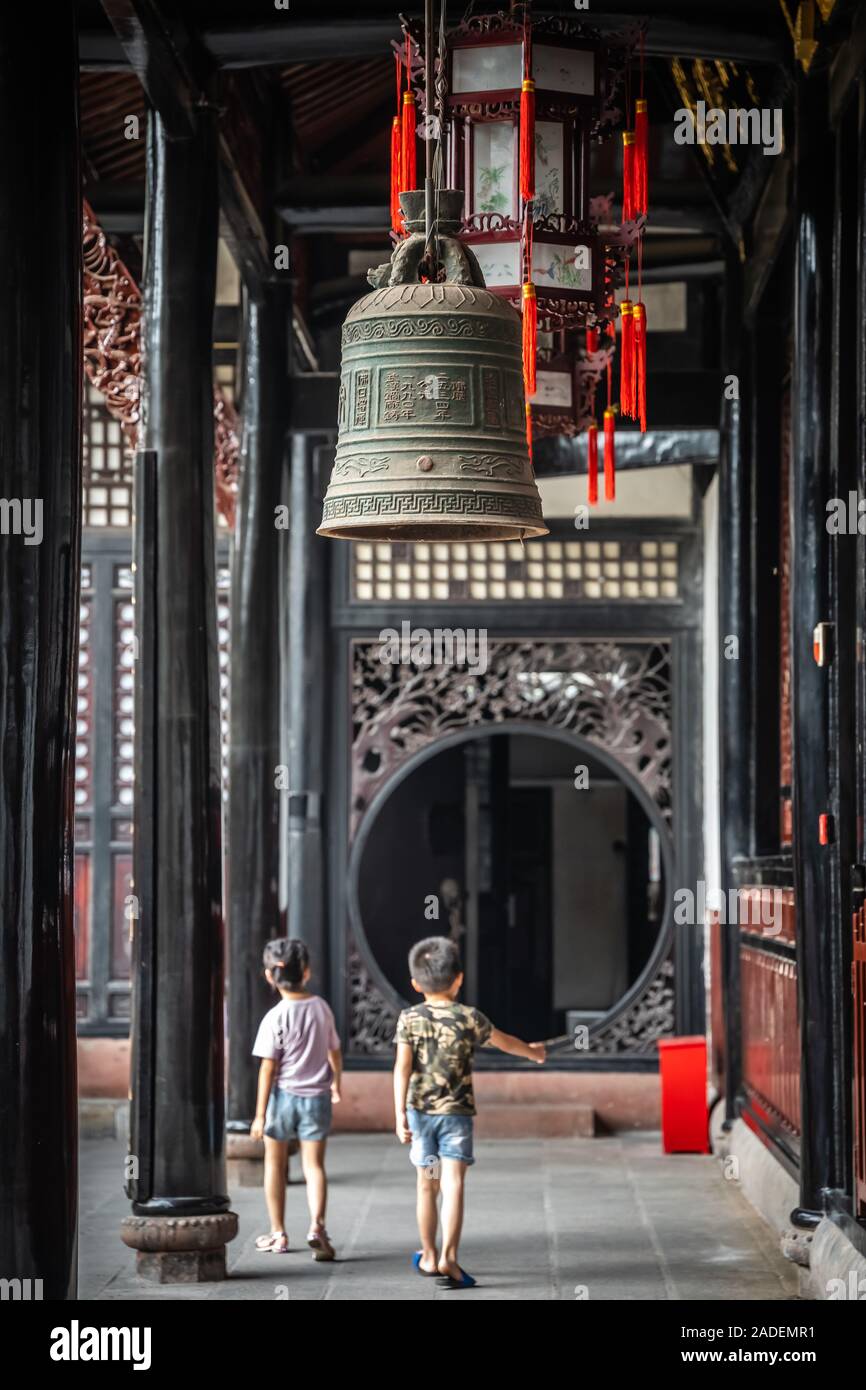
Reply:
x=425, y=1273
x=445, y=1281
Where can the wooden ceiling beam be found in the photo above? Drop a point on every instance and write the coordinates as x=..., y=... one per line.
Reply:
x=174, y=69
x=320, y=202
x=661, y=447
x=118, y=205
x=158, y=55
x=306, y=41
x=341, y=149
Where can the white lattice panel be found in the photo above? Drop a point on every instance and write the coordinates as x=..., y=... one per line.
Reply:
x=543, y=571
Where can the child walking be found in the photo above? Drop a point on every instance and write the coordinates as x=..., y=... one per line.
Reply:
x=300, y=1051
x=433, y=1098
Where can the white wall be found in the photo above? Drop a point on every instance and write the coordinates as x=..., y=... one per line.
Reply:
x=590, y=930
x=639, y=492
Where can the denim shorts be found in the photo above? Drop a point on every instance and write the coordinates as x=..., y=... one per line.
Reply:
x=297, y=1117
x=439, y=1136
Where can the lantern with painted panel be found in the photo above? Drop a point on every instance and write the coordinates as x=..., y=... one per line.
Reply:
x=528, y=98
x=527, y=218
x=567, y=379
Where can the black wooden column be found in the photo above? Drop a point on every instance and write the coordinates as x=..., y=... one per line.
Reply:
x=40, y=488
x=254, y=801
x=181, y=1219
x=735, y=677
x=307, y=680
x=848, y=326
x=810, y=604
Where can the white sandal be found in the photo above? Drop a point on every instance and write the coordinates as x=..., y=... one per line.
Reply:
x=277, y=1243
x=319, y=1243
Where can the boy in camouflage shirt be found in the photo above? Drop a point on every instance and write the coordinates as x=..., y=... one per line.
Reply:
x=433, y=1098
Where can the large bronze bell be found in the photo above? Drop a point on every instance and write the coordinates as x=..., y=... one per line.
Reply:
x=432, y=442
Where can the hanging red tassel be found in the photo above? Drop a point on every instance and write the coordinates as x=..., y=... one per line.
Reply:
x=626, y=359
x=529, y=429
x=628, y=161
x=530, y=337
x=592, y=464
x=408, y=164
x=397, y=154
x=527, y=140
x=396, y=190
x=641, y=157
x=639, y=317
x=592, y=340
x=609, y=455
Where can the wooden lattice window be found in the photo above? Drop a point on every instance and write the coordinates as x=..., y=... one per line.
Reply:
x=107, y=462
x=123, y=726
x=84, y=719
x=506, y=571
x=105, y=777
x=223, y=586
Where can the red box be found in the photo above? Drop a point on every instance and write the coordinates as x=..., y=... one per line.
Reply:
x=683, y=1069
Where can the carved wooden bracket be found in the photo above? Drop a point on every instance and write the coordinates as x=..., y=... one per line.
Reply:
x=112, y=357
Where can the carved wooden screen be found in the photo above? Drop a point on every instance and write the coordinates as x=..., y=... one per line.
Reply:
x=111, y=343
x=616, y=694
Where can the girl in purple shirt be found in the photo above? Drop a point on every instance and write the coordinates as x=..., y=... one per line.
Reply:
x=299, y=1080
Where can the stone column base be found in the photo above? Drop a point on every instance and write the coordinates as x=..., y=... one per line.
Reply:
x=180, y=1249
x=181, y=1266
x=831, y=1258
x=245, y=1160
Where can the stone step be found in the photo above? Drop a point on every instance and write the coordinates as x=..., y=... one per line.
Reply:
x=245, y=1160
x=535, y=1120
x=102, y=1118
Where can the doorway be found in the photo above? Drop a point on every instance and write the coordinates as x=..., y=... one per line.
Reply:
x=537, y=858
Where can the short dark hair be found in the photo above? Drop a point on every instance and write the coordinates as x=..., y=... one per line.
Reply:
x=434, y=963
x=287, y=959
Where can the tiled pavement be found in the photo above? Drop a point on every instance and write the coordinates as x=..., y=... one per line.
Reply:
x=604, y=1219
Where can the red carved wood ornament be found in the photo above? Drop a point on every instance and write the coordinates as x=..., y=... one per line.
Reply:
x=112, y=357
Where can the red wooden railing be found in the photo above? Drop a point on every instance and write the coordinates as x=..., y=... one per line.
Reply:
x=768, y=985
